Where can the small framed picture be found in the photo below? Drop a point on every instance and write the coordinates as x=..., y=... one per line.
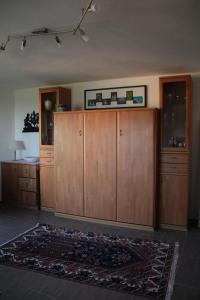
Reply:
x=113, y=96
x=129, y=95
x=116, y=97
x=99, y=97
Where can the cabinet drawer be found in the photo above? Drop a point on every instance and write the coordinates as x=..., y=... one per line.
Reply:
x=27, y=184
x=47, y=161
x=24, y=170
x=27, y=171
x=174, y=168
x=177, y=158
x=28, y=198
x=46, y=153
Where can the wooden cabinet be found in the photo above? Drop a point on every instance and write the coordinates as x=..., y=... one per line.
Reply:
x=136, y=167
x=174, y=195
x=105, y=165
x=50, y=100
x=47, y=187
x=9, y=182
x=100, y=165
x=175, y=151
x=69, y=162
x=20, y=183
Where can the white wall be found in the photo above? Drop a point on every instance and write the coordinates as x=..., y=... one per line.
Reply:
x=6, y=125
x=26, y=101
x=150, y=81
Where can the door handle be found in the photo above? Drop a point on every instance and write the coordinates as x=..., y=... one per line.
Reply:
x=80, y=132
x=120, y=132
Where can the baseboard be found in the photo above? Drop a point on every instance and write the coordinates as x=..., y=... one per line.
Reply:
x=173, y=227
x=105, y=222
x=49, y=209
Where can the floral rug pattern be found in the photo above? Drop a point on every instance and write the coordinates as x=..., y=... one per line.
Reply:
x=137, y=266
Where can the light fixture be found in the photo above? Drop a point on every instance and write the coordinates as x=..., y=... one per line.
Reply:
x=17, y=146
x=3, y=45
x=45, y=32
x=92, y=8
x=23, y=44
x=83, y=35
x=58, y=41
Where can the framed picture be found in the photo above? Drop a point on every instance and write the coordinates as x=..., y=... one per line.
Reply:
x=119, y=97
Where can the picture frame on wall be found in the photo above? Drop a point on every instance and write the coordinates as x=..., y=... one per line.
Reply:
x=117, y=97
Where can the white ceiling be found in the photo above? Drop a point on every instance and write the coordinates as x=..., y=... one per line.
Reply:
x=127, y=38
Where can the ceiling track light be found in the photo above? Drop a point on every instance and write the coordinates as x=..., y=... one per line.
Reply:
x=3, y=45
x=83, y=35
x=23, y=44
x=58, y=41
x=49, y=32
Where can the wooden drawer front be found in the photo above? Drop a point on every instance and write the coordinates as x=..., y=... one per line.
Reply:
x=33, y=171
x=177, y=158
x=46, y=153
x=24, y=170
x=174, y=168
x=47, y=161
x=28, y=184
x=28, y=198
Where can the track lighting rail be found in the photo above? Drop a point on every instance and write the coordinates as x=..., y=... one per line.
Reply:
x=91, y=8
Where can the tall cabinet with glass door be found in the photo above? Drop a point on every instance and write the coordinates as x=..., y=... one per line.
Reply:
x=50, y=100
x=175, y=151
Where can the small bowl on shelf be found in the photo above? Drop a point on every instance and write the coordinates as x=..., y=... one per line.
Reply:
x=31, y=159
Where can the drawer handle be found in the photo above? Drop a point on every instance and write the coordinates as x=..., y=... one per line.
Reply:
x=120, y=132
x=173, y=157
x=49, y=153
x=172, y=167
x=80, y=132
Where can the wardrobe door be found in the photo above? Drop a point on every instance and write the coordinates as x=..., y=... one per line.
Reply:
x=69, y=162
x=100, y=165
x=136, y=167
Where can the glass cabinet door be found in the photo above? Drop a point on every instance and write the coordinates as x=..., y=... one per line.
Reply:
x=174, y=115
x=48, y=103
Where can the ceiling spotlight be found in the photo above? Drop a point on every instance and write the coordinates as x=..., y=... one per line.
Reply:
x=23, y=44
x=83, y=35
x=92, y=8
x=58, y=41
x=3, y=47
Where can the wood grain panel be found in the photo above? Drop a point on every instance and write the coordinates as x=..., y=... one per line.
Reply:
x=28, y=199
x=174, y=199
x=28, y=184
x=69, y=162
x=47, y=152
x=174, y=168
x=100, y=165
x=46, y=161
x=178, y=158
x=136, y=167
x=47, y=186
x=9, y=182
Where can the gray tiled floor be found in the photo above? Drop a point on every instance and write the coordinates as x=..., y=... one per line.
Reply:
x=26, y=285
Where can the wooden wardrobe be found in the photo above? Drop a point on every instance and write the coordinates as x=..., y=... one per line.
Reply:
x=105, y=165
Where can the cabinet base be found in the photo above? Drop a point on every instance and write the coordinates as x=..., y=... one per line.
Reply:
x=105, y=222
x=50, y=209
x=174, y=227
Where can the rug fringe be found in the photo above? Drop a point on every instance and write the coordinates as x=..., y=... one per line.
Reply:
x=172, y=273
x=17, y=236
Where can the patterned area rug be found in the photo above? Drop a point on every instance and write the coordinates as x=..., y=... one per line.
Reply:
x=139, y=267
